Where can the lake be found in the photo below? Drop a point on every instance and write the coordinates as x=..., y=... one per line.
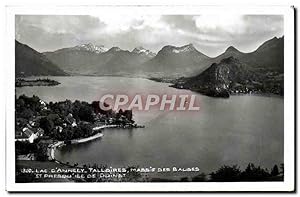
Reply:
x=238, y=130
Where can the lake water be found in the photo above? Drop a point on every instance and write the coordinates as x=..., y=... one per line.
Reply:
x=237, y=130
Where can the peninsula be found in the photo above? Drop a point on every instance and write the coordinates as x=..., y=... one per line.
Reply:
x=41, y=126
x=35, y=82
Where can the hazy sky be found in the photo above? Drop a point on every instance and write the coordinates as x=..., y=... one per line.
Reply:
x=210, y=34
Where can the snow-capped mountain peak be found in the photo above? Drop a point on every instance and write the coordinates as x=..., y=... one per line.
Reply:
x=115, y=49
x=92, y=48
x=183, y=49
x=143, y=51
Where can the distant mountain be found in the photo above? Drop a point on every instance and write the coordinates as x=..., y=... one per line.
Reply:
x=230, y=51
x=142, y=51
x=180, y=61
x=78, y=59
x=121, y=62
x=115, y=61
x=114, y=50
x=170, y=61
x=267, y=56
x=90, y=47
x=188, y=61
x=29, y=62
x=231, y=76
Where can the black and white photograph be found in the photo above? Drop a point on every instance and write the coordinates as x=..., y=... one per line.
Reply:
x=144, y=95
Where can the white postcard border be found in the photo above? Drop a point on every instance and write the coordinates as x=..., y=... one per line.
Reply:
x=289, y=86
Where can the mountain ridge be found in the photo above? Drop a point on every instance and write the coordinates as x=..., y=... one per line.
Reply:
x=184, y=60
x=269, y=55
x=29, y=62
x=170, y=61
x=113, y=61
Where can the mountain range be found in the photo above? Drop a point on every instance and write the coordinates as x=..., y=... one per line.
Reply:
x=29, y=62
x=170, y=61
x=176, y=61
x=269, y=55
x=84, y=60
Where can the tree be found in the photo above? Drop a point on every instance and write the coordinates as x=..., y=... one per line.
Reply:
x=85, y=129
x=226, y=174
x=282, y=168
x=86, y=113
x=46, y=124
x=253, y=173
x=42, y=151
x=131, y=174
x=275, y=171
x=27, y=113
x=23, y=148
x=199, y=178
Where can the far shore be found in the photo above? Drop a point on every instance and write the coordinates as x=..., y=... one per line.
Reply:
x=21, y=82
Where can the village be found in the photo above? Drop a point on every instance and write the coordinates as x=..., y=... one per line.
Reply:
x=42, y=127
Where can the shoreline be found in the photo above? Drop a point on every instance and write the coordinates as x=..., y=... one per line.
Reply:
x=87, y=139
x=54, y=146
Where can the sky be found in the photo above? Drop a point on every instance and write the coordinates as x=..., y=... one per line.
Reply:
x=210, y=34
